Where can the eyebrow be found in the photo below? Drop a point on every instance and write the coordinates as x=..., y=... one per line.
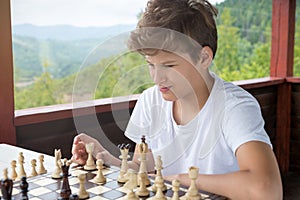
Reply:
x=163, y=63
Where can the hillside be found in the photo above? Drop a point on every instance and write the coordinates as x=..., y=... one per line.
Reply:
x=47, y=66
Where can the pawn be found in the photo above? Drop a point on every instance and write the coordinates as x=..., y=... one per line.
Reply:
x=130, y=185
x=159, y=190
x=14, y=174
x=175, y=188
x=142, y=190
x=99, y=178
x=41, y=169
x=90, y=163
x=24, y=188
x=33, y=166
x=82, y=193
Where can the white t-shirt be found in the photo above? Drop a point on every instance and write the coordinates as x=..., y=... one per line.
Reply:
x=229, y=118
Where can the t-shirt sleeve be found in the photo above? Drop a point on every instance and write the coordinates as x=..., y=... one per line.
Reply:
x=243, y=122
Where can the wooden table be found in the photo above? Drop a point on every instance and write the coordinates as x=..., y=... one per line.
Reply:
x=9, y=153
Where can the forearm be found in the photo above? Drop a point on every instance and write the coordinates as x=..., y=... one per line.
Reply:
x=236, y=185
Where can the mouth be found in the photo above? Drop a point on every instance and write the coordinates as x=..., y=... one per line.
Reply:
x=164, y=89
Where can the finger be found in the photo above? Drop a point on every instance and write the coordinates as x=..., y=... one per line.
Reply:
x=77, y=139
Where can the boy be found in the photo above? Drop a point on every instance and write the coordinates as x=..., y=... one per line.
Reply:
x=191, y=117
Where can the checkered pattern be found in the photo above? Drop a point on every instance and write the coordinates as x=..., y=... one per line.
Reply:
x=43, y=187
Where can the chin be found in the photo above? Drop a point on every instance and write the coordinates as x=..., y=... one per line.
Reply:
x=169, y=97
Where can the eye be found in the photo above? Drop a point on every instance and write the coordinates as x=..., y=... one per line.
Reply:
x=150, y=65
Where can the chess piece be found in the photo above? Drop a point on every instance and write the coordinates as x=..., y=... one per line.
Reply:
x=143, y=150
x=158, y=167
x=99, y=178
x=24, y=188
x=90, y=163
x=142, y=191
x=14, y=174
x=132, y=180
x=21, y=166
x=33, y=166
x=124, y=149
x=192, y=193
x=175, y=188
x=65, y=191
x=159, y=192
x=74, y=197
x=6, y=185
x=130, y=185
x=82, y=193
x=57, y=171
x=41, y=169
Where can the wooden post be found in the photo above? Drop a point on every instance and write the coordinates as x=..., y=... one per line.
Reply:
x=282, y=56
x=7, y=129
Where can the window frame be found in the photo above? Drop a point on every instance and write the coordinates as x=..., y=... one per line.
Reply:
x=281, y=74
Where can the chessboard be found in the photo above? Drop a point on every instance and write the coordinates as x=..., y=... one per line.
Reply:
x=46, y=188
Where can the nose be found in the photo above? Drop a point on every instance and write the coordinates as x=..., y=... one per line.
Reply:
x=158, y=74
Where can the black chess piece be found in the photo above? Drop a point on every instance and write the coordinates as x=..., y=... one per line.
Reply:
x=65, y=191
x=74, y=197
x=6, y=188
x=24, y=188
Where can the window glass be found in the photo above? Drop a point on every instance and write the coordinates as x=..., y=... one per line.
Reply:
x=244, y=31
x=67, y=48
x=52, y=40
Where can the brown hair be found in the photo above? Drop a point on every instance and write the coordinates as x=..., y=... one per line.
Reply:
x=193, y=18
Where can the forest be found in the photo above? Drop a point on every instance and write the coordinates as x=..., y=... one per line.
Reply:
x=53, y=71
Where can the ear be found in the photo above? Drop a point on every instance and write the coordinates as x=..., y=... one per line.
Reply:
x=206, y=57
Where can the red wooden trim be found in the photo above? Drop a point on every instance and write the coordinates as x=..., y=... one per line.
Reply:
x=283, y=28
x=65, y=111
x=7, y=129
x=293, y=79
x=259, y=82
x=283, y=126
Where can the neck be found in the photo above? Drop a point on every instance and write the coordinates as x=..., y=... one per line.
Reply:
x=184, y=110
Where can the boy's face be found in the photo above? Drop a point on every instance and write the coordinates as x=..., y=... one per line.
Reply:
x=176, y=77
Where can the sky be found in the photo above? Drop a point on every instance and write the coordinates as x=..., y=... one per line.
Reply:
x=80, y=13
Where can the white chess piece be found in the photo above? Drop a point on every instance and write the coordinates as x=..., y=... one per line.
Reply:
x=175, y=188
x=122, y=178
x=90, y=163
x=192, y=193
x=159, y=192
x=158, y=167
x=143, y=150
x=33, y=168
x=14, y=174
x=130, y=185
x=82, y=193
x=57, y=171
x=99, y=178
x=132, y=180
x=142, y=191
x=41, y=169
x=21, y=166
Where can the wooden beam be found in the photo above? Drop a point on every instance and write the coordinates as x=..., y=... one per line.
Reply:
x=7, y=129
x=283, y=130
x=282, y=58
x=283, y=31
